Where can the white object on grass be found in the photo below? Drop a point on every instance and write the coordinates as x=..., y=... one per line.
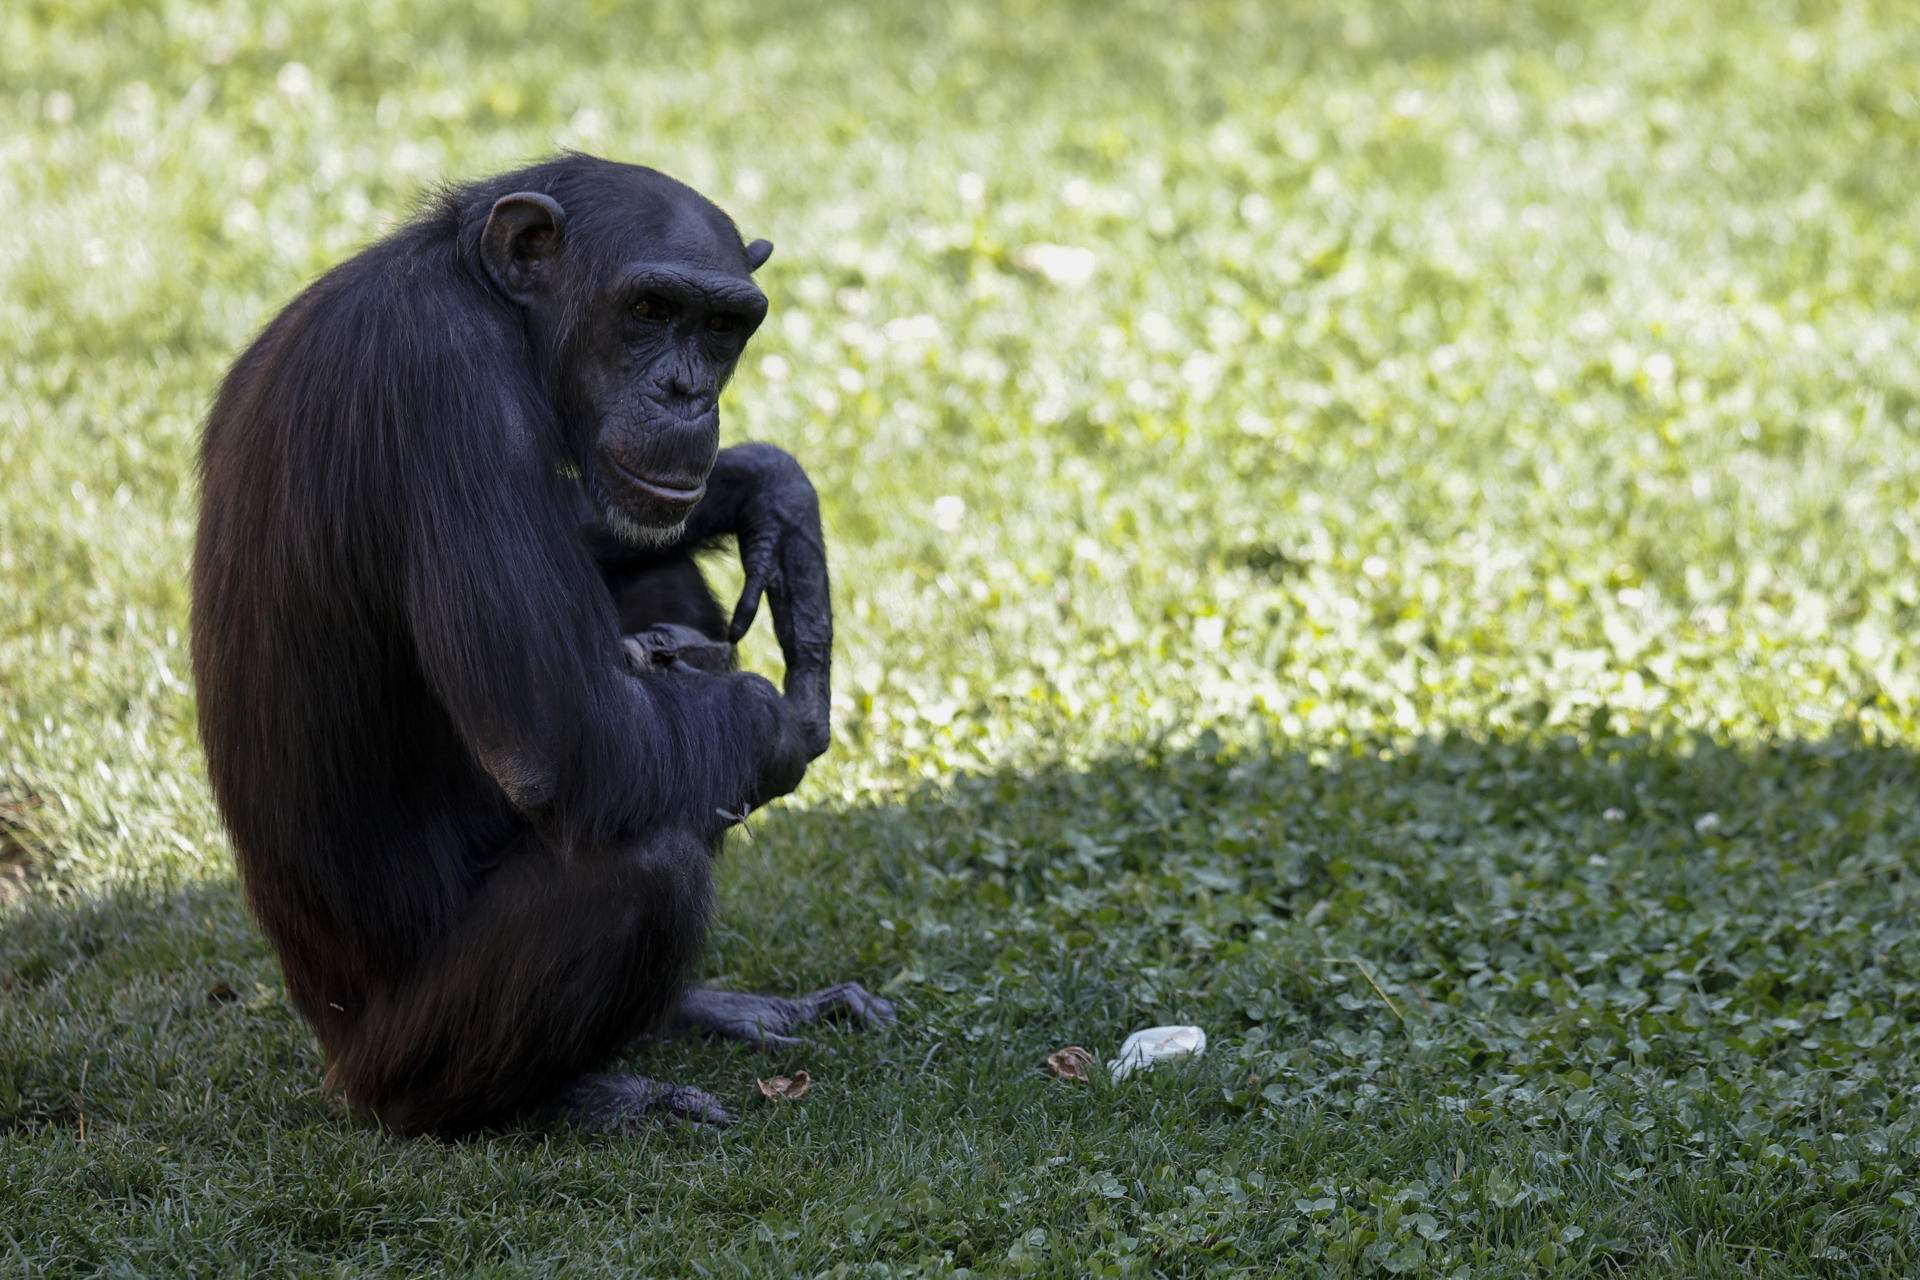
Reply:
x=1157, y=1044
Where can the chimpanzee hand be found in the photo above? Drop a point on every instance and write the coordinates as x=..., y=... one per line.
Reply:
x=667, y=646
x=784, y=557
x=776, y=726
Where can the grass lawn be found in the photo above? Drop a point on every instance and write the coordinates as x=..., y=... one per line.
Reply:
x=1389, y=531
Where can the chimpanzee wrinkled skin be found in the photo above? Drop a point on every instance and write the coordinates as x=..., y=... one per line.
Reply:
x=438, y=491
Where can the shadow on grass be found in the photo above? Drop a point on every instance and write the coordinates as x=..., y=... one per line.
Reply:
x=1656, y=978
x=1164, y=861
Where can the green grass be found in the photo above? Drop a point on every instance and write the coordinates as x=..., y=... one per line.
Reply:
x=1428, y=594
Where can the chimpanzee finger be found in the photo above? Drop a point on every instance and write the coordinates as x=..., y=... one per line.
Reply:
x=749, y=606
x=757, y=545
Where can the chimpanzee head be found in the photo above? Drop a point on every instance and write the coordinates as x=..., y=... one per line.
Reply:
x=639, y=299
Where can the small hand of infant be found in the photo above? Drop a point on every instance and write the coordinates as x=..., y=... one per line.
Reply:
x=669, y=645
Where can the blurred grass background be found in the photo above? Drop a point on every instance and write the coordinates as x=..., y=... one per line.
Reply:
x=1388, y=530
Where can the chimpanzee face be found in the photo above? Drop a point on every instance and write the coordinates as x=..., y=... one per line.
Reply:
x=640, y=325
x=660, y=341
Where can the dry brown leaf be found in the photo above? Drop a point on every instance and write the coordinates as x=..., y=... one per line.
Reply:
x=222, y=992
x=1070, y=1063
x=785, y=1088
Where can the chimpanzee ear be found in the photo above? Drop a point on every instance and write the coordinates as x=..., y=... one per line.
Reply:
x=757, y=254
x=521, y=238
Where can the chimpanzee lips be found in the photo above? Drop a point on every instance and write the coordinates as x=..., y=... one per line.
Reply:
x=671, y=493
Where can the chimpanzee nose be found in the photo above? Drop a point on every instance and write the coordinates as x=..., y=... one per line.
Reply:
x=681, y=382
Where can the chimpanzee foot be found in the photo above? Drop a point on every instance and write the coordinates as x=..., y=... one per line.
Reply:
x=617, y=1103
x=766, y=1020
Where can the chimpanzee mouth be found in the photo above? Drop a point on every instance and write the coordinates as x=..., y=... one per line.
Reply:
x=641, y=523
x=675, y=495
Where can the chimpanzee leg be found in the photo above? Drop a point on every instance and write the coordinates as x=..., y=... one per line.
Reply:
x=766, y=1020
x=558, y=962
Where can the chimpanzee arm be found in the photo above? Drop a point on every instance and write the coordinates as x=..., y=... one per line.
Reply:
x=515, y=635
x=759, y=494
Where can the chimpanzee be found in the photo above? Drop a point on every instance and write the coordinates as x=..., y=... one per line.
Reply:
x=439, y=491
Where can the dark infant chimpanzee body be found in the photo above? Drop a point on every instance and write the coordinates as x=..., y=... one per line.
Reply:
x=438, y=490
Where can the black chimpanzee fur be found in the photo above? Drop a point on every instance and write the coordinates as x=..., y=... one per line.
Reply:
x=437, y=489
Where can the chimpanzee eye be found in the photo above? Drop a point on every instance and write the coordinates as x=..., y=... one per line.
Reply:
x=652, y=308
x=721, y=322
